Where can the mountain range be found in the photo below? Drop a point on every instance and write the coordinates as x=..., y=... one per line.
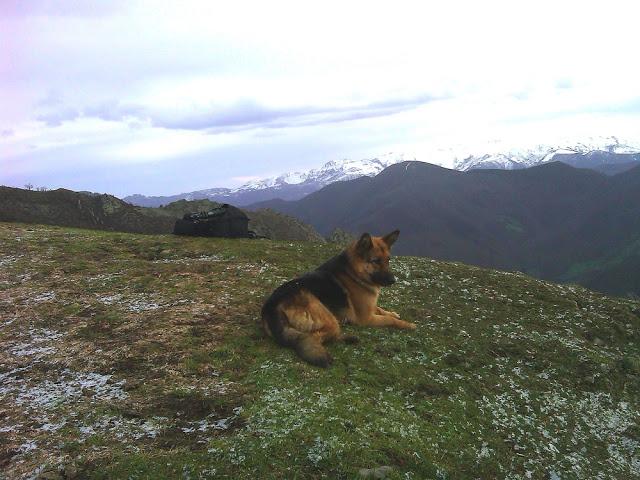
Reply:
x=607, y=154
x=288, y=186
x=552, y=221
x=586, y=153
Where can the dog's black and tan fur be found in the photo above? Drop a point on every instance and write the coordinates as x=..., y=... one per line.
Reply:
x=306, y=312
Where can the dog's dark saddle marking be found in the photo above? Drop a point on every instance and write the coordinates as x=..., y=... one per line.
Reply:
x=320, y=282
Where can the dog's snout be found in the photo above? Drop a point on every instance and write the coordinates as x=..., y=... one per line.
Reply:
x=383, y=278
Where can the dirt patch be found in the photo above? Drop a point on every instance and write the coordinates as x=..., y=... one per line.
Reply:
x=187, y=405
x=432, y=389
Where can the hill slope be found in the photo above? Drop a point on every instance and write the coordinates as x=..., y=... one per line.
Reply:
x=265, y=222
x=548, y=220
x=138, y=356
x=77, y=209
x=106, y=212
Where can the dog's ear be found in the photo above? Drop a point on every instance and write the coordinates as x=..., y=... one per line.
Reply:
x=364, y=244
x=391, y=238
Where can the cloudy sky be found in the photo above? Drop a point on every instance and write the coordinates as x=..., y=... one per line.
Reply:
x=165, y=97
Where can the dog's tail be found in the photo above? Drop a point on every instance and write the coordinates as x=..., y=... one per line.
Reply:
x=307, y=346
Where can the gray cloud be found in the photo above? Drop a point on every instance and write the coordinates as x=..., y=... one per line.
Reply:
x=114, y=111
x=55, y=112
x=55, y=118
x=243, y=115
x=250, y=114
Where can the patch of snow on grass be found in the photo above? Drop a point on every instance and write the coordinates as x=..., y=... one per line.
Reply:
x=28, y=446
x=103, y=277
x=26, y=350
x=52, y=427
x=125, y=428
x=43, y=297
x=208, y=424
x=141, y=304
x=110, y=299
x=36, y=346
x=535, y=426
x=202, y=258
x=137, y=303
x=9, y=260
x=68, y=388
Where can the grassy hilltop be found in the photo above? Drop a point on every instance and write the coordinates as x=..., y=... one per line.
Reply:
x=138, y=356
x=106, y=212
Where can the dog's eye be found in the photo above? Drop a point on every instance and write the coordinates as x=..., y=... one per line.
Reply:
x=377, y=261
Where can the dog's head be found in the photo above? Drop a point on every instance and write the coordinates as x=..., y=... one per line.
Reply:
x=370, y=258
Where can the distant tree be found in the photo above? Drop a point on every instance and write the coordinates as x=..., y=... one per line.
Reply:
x=28, y=186
x=42, y=189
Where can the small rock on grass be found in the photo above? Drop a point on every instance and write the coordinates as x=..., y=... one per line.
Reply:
x=377, y=473
x=50, y=475
x=68, y=472
x=71, y=472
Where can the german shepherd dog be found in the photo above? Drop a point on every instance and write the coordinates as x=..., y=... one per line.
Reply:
x=307, y=312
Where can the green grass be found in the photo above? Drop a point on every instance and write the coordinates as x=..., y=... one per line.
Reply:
x=505, y=377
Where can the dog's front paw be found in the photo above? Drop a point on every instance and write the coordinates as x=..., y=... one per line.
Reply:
x=326, y=361
x=394, y=314
x=323, y=361
x=405, y=325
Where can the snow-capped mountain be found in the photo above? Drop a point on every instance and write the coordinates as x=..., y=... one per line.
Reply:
x=288, y=186
x=333, y=171
x=515, y=158
x=592, y=152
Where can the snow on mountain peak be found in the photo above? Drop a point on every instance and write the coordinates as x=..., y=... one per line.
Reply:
x=487, y=154
x=524, y=157
x=491, y=154
x=332, y=171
